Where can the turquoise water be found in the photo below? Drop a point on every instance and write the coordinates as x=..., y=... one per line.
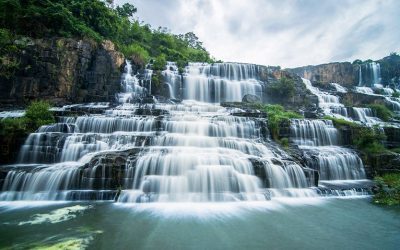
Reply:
x=315, y=223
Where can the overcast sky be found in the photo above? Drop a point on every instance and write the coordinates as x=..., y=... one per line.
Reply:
x=288, y=33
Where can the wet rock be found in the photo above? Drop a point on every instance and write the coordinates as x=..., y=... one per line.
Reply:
x=251, y=99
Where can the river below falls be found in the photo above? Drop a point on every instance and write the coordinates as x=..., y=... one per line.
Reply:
x=312, y=223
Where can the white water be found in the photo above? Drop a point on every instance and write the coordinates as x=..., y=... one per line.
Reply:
x=365, y=115
x=369, y=74
x=218, y=82
x=319, y=139
x=330, y=104
x=172, y=78
x=339, y=88
x=12, y=114
x=130, y=85
x=196, y=151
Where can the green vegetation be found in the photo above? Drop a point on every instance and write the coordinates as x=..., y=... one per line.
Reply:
x=341, y=122
x=396, y=94
x=390, y=67
x=381, y=111
x=277, y=115
x=366, y=139
x=388, y=189
x=369, y=140
x=284, y=142
x=8, y=65
x=95, y=19
x=285, y=87
x=395, y=150
x=36, y=115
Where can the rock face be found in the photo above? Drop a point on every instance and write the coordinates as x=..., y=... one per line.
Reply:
x=347, y=74
x=251, y=98
x=344, y=73
x=63, y=71
x=302, y=98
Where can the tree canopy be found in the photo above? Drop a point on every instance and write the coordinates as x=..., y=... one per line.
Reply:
x=98, y=20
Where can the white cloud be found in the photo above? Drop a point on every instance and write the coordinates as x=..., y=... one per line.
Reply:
x=282, y=32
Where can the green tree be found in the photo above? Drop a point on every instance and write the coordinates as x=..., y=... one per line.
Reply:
x=126, y=10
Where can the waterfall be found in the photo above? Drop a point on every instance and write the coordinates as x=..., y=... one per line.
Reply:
x=160, y=152
x=313, y=132
x=339, y=88
x=369, y=74
x=130, y=85
x=318, y=139
x=365, y=90
x=376, y=72
x=330, y=104
x=218, y=82
x=335, y=163
x=365, y=115
x=148, y=73
x=172, y=78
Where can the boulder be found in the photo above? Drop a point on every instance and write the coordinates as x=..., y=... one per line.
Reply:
x=251, y=99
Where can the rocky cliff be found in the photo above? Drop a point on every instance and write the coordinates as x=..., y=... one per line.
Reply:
x=348, y=74
x=344, y=73
x=63, y=71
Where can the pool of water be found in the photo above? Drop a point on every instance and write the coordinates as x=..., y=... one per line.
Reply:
x=315, y=223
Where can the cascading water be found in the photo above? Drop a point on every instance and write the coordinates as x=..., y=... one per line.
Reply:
x=369, y=74
x=130, y=84
x=330, y=104
x=372, y=80
x=339, y=88
x=218, y=82
x=365, y=115
x=172, y=78
x=318, y=140
x=161, y=152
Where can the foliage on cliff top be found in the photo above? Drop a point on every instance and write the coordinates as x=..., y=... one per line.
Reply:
x=388, y=189
x=97, y=20
x=276, y=115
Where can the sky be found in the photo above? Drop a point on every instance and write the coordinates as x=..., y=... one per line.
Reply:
x=288, y=33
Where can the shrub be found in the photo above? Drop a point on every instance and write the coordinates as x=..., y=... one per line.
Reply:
x=381, y=111
x=341, y=122
x=369, y=140
x=277, y=115
x=285, y=87
x=38, y=114
x=13, y=126
x=396, y=94
x=160, y=62
x=388, y=189
x=136, y=52
x=284, y=142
